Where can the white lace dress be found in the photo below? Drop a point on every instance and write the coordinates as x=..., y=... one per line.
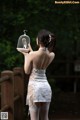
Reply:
x=39, y=89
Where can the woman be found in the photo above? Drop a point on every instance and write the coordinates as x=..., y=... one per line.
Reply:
x=35, y=64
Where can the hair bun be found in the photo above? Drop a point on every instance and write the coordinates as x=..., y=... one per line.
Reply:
x=45, y=37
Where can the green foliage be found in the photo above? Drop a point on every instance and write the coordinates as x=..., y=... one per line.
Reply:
x=8, y=57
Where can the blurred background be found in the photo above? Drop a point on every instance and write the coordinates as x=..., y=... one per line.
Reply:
x=64, y=22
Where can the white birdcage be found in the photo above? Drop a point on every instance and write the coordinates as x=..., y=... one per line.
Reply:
x=23, y=42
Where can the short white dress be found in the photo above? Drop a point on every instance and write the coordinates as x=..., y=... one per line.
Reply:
x=39, y=89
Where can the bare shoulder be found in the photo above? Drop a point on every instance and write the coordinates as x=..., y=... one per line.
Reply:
x=29, y=56
x=52, y=54
x=32, y=54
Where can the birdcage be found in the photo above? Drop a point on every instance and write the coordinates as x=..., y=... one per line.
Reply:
x=23, y=42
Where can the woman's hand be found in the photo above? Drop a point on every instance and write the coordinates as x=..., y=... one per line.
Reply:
x=25, y=51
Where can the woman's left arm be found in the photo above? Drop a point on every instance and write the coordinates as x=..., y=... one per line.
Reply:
x=27, y=63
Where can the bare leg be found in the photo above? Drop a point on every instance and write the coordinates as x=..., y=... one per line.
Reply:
x=34, y=111
x=39, y=108
x=44, y=108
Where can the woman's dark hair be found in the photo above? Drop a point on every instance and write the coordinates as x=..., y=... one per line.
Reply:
x=47, y=39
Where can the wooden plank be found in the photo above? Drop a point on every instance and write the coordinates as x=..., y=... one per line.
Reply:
x=19, y=92
x=7, y=93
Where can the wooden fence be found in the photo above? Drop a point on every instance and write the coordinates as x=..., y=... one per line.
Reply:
x=12, y=93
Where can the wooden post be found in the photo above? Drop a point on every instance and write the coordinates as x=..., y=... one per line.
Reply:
x=18, y=93
x=7, y=94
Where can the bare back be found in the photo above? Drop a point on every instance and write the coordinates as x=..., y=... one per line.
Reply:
x=38, y=59
x=42, y=58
